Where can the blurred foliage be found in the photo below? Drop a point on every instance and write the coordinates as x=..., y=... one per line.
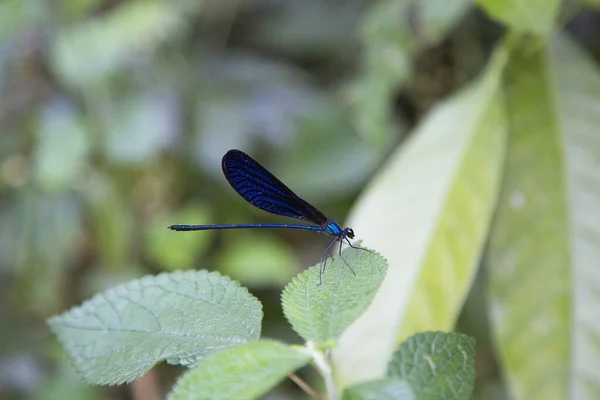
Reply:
x=115, y=115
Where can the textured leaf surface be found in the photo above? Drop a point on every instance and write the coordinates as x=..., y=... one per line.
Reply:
x=534, y=16
x=321, y=312
x=437, y=365
x=240, y=373
x=542, y=262
x=428, y=213
x=180, y=317
x=384, y=389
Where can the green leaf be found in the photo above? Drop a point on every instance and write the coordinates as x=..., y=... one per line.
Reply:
x=437, y=365
x=240, y=373
x=321, y=312
x=384, y=389
x=524, y=16
x=428, y=212
x=118, y=335
x=178, y=250
x=62, y=146
x=89, y=51
x=542, y=263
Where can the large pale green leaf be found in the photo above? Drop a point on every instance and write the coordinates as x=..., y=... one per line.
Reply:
x=528, y=16
x=543, y=258
x=438, y=365
x=320, y=312
x=240, y=373
x=428, y=213
x=120, y=334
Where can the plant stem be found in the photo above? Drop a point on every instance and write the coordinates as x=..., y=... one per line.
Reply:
x=324, y=366
x=305, y=386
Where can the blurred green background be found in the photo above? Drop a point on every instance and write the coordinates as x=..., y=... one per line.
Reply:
x=114, y=118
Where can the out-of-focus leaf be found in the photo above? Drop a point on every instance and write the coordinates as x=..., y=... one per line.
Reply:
x=241, y=373
x=181, y=317
x=43, y=232
x=221, y=124
x=280, y=108
x=321, y=312
x=384, y=389
x=19, y=370
x=74, y=9
x=268, y=98
x=62, y=146
x=65, y=384
x=527, y=16
x=428, y=213
x=14, y=15
x=387, y=65
x=389, y=49
x=591, y=3
x=258, y=261
x=438, y=17
x=438, y=365
x=141, y=127
x=106, y=276
x=327, y=159
x=309, y=28
x=542, y=264
x=85, y=53
x=177, y=250
x=112, y=222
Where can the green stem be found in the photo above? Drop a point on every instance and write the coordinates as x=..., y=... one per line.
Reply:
x=323, y=365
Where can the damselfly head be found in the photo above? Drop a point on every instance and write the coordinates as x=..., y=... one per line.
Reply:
x=348, y=232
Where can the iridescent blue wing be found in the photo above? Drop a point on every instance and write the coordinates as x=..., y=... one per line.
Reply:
x=261, y=189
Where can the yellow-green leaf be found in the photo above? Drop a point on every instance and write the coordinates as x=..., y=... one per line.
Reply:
x=525, y=16
x=542, y=262
x=428, y=213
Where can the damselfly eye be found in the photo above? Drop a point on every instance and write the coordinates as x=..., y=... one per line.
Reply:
x=350, y=233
